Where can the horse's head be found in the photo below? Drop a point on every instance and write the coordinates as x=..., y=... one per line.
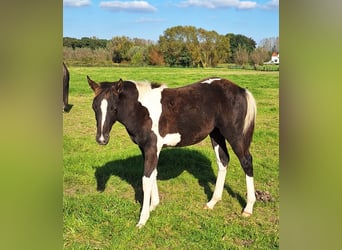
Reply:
x=105, y=106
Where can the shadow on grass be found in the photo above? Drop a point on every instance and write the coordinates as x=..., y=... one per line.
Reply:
x=172, y=162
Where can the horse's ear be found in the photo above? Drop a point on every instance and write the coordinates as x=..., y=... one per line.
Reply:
x=92, y=84
x=118, y=86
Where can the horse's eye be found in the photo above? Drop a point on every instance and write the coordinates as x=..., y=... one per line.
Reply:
x=112, y=109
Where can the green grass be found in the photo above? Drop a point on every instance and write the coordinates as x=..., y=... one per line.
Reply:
x=186, y=176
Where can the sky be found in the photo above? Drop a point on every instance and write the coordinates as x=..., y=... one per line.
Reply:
x=256, y=19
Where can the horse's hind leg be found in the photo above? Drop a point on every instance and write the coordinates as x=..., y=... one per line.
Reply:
x=245, y=158
x=222, y=157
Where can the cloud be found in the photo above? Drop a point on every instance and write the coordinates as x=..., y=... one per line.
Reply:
x=273, y=4
x=131, y=6
x=76, y=3
x=213, y=4
x=149, y=20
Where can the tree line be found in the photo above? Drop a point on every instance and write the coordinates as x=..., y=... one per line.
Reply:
x=179, y=46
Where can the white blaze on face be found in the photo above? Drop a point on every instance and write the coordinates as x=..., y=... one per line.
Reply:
x=210, y=80
x=104, y=105
x=151, y=99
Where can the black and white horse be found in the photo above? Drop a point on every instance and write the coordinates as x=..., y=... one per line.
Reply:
x=156, y=116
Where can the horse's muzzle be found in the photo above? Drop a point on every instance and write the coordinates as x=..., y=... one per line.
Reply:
x=102, y=140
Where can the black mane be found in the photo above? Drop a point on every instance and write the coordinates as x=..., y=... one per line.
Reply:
x=155, y=85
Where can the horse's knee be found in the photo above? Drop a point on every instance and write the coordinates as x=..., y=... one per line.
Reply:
x=247, y=165
x=224, y=159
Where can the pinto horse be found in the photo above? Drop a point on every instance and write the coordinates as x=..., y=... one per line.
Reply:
x=156, y=116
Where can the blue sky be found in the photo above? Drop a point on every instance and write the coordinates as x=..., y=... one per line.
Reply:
x=148, y=19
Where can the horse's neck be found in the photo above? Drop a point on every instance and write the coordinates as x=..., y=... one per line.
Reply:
x=134, y=113
x=132, y=117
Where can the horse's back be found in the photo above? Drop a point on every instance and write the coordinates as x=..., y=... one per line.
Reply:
x=206, y=96
x=196, y=109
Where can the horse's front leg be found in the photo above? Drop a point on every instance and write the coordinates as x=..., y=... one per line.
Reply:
x=150, y=189
x=154, y=193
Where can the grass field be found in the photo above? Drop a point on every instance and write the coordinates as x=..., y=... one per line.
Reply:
x=186, y=176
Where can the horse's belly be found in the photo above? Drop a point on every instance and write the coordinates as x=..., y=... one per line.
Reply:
x=171, y=139
x=191, y=139
x=186, y=128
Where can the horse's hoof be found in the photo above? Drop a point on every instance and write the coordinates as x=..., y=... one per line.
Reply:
x=246, y=214
x=206, y=207
x=139, y=225
x=153, y=207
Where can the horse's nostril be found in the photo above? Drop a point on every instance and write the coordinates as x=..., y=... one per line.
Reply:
x=102, y=140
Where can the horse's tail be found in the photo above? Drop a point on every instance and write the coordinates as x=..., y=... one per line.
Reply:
x=250, y=117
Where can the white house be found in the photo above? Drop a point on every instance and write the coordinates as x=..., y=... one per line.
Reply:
x=274, y=59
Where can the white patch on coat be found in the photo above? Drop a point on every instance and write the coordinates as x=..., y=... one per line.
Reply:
x=210, y=80
x=172, y=139
x=104, y=106
x=251, y=111
x=151, y=99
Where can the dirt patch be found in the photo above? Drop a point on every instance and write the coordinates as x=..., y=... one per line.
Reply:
x=264, y=196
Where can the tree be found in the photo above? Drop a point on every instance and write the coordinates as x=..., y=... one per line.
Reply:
x=241, y=55
x=71, y=42
x=270, y=44
x=207, y=46
x=222, y=48
x=192, y=45
x=259, y=56
x=155, y=57
x=85, y=42
x=173, y=44
x=239, y=40
x=118, y=47
x=138, y=55
x=188, y=46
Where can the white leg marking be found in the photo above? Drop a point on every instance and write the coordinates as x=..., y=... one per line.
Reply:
x=210, y=80
x=151, y=99
x=154, y=194
x=147, y=188
x=250, y=197
x=221, y=176
x=104, y=105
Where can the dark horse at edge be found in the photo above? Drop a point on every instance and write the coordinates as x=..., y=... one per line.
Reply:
x=66, y=78
x=156, y=116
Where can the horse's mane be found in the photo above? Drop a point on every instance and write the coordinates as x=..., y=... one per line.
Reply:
x=155, y=85
x=104, y=87
x=148, y=85
x=145, y=87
